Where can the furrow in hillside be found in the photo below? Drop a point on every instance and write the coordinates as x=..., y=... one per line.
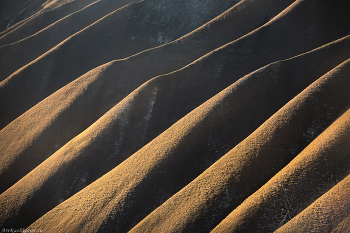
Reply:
x=129, y=192
x=39, y=133
x=313, y=172
x=329, y=213
x=202, y=204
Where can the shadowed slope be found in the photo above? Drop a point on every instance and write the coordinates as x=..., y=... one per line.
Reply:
x=118, y=34
x=12, y=12
x=202, y=204
x=329, y=213
x=108, y=89
x=264, y=46
x=57, y=32
x=46, y=14
x=13, y=58
x=316, y=169
x=148, y=177
x=101, y=43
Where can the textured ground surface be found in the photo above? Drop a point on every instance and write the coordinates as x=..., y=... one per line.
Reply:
x=175, y=115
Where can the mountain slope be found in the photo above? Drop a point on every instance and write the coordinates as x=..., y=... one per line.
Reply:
x=165, y=174
x=175, y=116
x=45, y=14
x=104, y=91
x=43, y=76
x=222, y=65
x=332, y=212
x=228, y=182
x=49, y=37
x=115, y=35
x=317, y=168
x=116, y=129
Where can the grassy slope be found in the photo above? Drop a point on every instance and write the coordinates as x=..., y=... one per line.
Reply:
x=122, y=130
x=99, y=44
x=139, y=184
x=83, y=106
x=205, y=201
x=12, y=12
x=329, y=213
x=232, y=53
x=158, y=171
x=12, y=56
x=42, y=77
x=45, y=39
x=37, y=16
x=315, y=170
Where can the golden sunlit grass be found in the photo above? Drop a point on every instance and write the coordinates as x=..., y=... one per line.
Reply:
x=325, y=213
x=241, y=171
x=19, y=140
x=312, y=172
x=241, y=125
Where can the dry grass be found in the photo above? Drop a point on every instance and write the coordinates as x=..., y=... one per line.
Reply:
x=253, y=162
x=240, y=124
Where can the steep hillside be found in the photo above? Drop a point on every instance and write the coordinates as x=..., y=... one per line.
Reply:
x=317, y=168
x=45, y=75
x=332, y=212
x=113, y=31
x=228, y=182
x=175, y=116
x=109, y=91
x=134, y=122
x=21, y=19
